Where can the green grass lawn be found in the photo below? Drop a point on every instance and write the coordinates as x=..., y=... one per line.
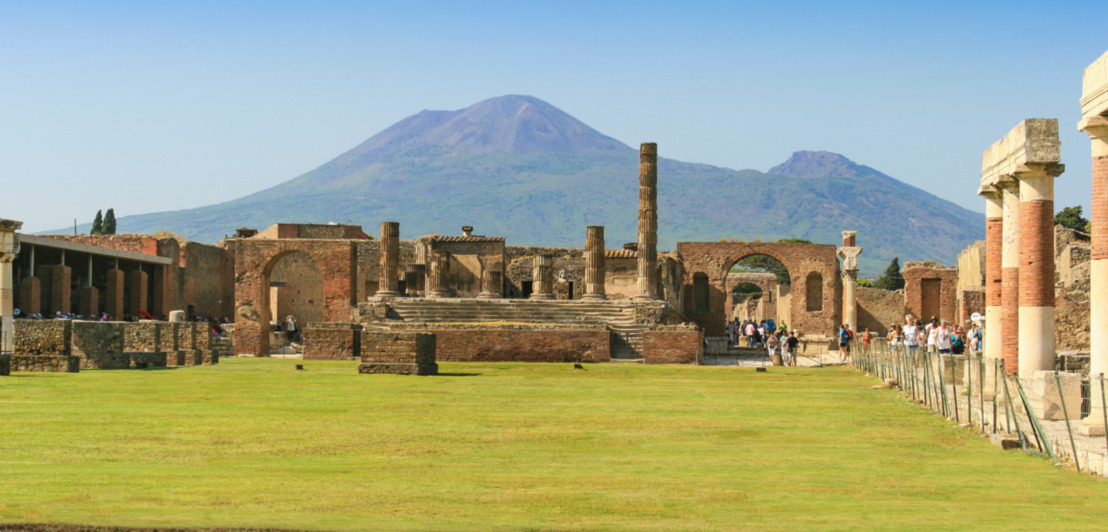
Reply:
x=253, y=443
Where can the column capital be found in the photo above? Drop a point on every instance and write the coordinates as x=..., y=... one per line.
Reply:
x=1096, y=127
x=850, y=258
x=1031, y=170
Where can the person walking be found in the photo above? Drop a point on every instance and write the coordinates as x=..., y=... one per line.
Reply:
x=794, y=345
x=291, y=329
x=844, y=343
x=866, y=338
x=911, y=332
x=942, y=340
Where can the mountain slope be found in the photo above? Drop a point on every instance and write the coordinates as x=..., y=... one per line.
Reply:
x=519, y=167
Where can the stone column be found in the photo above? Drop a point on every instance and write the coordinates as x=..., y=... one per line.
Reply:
x=1094, y=122
x=492, y=281
x=113, y=294
x=849, y=253
x=1010, y=279
x=9, y=248
x=648, y=222
x=412, y=281
x=594, y=263
x=388, y=280
x=542, y=275
x=994, y=235
x=418, y=287
x=137, y=286
x=1036, y=267
x=438, y=274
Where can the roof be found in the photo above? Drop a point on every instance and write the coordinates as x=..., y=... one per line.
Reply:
x=620, y=254
x=444, y=238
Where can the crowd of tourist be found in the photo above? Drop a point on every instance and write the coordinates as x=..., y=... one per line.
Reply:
x=765, y=334
x=938, y=336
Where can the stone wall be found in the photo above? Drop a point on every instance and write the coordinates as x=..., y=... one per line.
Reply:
x=296, y=288
x=369, y=264
x=47, y=363
x=946, y=306
x=41, y=337
x=680, y=344
x=971, y=267
x=332, y=341
x=203, y=281
x=398, y=353
x=531, y=343
x=879, y=309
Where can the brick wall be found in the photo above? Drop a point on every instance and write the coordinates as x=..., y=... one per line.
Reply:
x=530, y=344
x=1036, y=254
x=397, y=352
x=1099, y=214
x=972, y=301
x=673, y=345
x=914, y=275
x=331, y=341
x=879, y=309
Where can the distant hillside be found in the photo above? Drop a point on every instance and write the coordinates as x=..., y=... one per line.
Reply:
x=518, y=167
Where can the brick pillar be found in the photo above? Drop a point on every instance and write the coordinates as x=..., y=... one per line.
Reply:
x=61, y=281
x=1010, y=279
x=594, y=263
x=1097, y=128
x=542, y=277
x=30, y=296
x=136, y=288
x=113, y=294
x=162, y=298
x=994, y=236
x=1036, y=269
x=648, y=222
x=88, y=301
x=438, y=274
x=388, y=280
x=9, y=248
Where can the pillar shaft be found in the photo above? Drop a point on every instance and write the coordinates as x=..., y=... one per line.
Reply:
x=542, y=284
x=994, y=237
x=113, y=294
x=136, y=291
x=1036, y=273
x=648, y=222
x=1010, y=280
x=388, y=280
x=438, y=274
x=1097, y=129
x=9, y=248
x=594, y=263
x=849, y=253
x=492, y=281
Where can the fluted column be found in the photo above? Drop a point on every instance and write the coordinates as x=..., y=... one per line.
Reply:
x=388, y=281
x=438, y=274
x=542, y=284
x=492, y=281
x=648, y=222
x=849, y=253
x=594, y=263
x=413, y=280
x=9, y=248
x=1094, y=122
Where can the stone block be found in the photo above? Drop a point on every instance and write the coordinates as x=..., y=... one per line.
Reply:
x=42, y=337
x=398, y=353
x=673, y=345
x=5, y=365
x=46, y=363
x=332, y=341
x=1046, y=402
x=190, y=357
x=147, y=360
x=186, y=334
x=954, y=369
x=209, y=357
x=174, y=358
x=98, y=337
x=116, y=360
x=142, y=337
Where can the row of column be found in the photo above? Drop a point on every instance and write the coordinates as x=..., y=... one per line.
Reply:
x=59, y=294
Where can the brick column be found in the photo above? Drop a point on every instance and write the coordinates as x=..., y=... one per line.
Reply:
x=1010, y=279
x=1036, y=269
x=113, y=294
x=594, y=263
x=30, y=295
x=542, y=277
x=60, y=279
x=388, y=280
x=994, y=236
x=162, y=298
x=88, y=301
x=1094, y=111
x=136, y=286
x=849, y=253
x=648, y=222
x=438, y=274
x=9, y=248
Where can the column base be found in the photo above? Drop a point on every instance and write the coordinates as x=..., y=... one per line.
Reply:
x=644, y=299
x=488, y=295
x=438, y=294
x=387, y=293
x=542, y=297
x=594, y=297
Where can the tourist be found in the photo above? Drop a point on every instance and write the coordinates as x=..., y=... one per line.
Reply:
x=749, y=331
x=974, y=339
x=866, y=338
x=939, y=339
x=845, y=337
x=958, y=341
x=911, y=332
x=793, y=343
x=930, y=331
x=771, y=345
x=290, y=327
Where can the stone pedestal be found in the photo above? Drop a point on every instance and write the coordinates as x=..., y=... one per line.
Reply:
x=30, y=296
x=88, y=302
x=60, y=281
x=438, y=274
x=9, y=248
x=849, y=253
x=594, y=263
x=388, y=280
x=1094, y=122
x=648, y=223
x=542, y=284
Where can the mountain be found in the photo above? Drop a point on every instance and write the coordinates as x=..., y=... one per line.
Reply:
x=519, y=167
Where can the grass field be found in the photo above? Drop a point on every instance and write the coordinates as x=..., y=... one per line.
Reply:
x=253, y=443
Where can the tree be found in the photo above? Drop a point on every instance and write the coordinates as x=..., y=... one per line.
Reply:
x=109, y=223
x=865, y=283
x=1070, y=217
x=763, y=263
x=97, y=224
x=891, y=279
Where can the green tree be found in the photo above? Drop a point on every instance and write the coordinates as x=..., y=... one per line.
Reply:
x=763, y=263
x=865, y=283
x=109, y=222
x=891, y=279
x=1071, y=217
x=97, y=224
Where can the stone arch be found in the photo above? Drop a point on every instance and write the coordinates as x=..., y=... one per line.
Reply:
x=255, y=260
x=715, y=259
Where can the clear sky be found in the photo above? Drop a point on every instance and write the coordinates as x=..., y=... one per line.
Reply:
x=152, y=106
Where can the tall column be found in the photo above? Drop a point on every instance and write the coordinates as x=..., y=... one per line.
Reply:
x=1094, y=122
x=1036, y=268
x=994, y=235
x=594, y=263
x=648, y=222
x=1010, y=279
x=542, y=284
x=438, y=274
x=137, y=288
x=113, y=294
x=9, y=248
x=388, y=281
x=492, y=281
x=849, y=253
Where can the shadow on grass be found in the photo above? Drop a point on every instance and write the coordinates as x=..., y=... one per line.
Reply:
x=456, y=375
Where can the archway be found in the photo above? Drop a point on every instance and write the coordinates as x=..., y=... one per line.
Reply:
x=755, y=285
x=295, y=288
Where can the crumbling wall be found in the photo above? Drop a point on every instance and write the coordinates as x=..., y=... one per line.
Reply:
x=332, y=341
x=530, y=343
x=879, y=309
x=394, y=352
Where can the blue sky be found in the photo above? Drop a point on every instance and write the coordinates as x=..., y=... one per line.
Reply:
x=148, y=107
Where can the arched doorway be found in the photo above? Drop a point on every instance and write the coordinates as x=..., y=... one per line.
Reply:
x=295, y=288
x=756, y=285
